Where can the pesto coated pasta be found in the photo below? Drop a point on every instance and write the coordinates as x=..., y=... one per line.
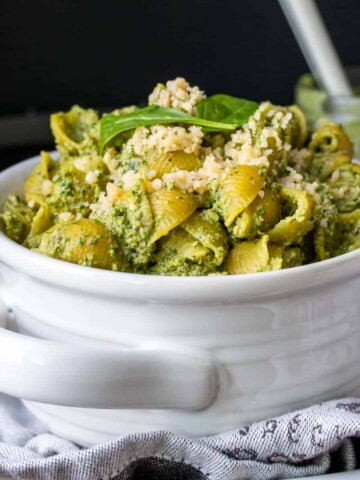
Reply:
x=190, y=186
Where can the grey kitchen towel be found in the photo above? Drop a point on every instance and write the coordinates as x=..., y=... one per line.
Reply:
x=312, y=441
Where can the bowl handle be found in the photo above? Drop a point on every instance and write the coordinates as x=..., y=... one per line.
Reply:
x=104, y=377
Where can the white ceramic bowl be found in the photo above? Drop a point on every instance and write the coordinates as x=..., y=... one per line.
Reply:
x=197, y=355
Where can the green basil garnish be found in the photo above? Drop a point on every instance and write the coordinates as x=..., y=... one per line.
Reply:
x=217, y=113
x=226, y=109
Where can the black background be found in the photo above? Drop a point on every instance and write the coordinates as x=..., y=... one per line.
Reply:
x=110, y=53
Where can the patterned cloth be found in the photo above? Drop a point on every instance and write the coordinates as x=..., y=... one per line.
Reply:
x=313, y=441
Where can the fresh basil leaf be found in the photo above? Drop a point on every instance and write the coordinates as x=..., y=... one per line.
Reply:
x=112, y=125
x=226, y=109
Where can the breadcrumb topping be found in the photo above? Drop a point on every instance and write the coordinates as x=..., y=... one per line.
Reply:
x=255, y=143
x=65, y=216
x=110, y=159
x=107, y=199
x=92, y=177
x=262, y=142
x=299, y=159
x=295, y=179
x=165, y=139
x=177, y=94
x=252, y=144
x=46, y=187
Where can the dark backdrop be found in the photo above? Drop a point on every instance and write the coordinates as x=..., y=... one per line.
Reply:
x=108, y=53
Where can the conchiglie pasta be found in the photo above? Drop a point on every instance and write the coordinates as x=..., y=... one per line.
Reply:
x=329, y=138
x=348, y=229
x=184, y=245
x=261, y=215
x=42, y=218
x=75, y=131
x=170, y=208
x=85, y=242
x=325, y=165
x=277, y=132
x=294, y=226
x=250, y=256
x=285, y=257
x=163, y=163
x=270, y=203
x=322, y=243
x=39, y=180
x=16, y=218
x=89, y=163
x=69, y=190
x=184, y=199
x=259, y=255
x=276, y=252
x=344, y=185
x=299, y=128
x=130, y=220
x=343, y=237
x=179, y=253
x=237, y=190
x=206, y=228
x=244, y=226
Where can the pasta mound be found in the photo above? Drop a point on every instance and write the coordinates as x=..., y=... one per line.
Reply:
x=179, y=200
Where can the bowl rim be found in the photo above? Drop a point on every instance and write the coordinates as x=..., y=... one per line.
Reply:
x=156, y=287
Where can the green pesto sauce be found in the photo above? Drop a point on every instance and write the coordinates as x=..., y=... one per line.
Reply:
x=67, y=213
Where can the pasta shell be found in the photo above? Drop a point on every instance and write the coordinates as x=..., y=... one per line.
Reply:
x=85, y=242
x=71, y=129
x=40, y=173
x=292, y=228
x=342, y=237
x=42, y=219
x=299, y=128
x=248, y=257
x=329, y=138
x=210, y=235
x=183, y=245
x=170, y=208
x=237, y=190
x=170, y=162
x=180, y=253
x=325, y=165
